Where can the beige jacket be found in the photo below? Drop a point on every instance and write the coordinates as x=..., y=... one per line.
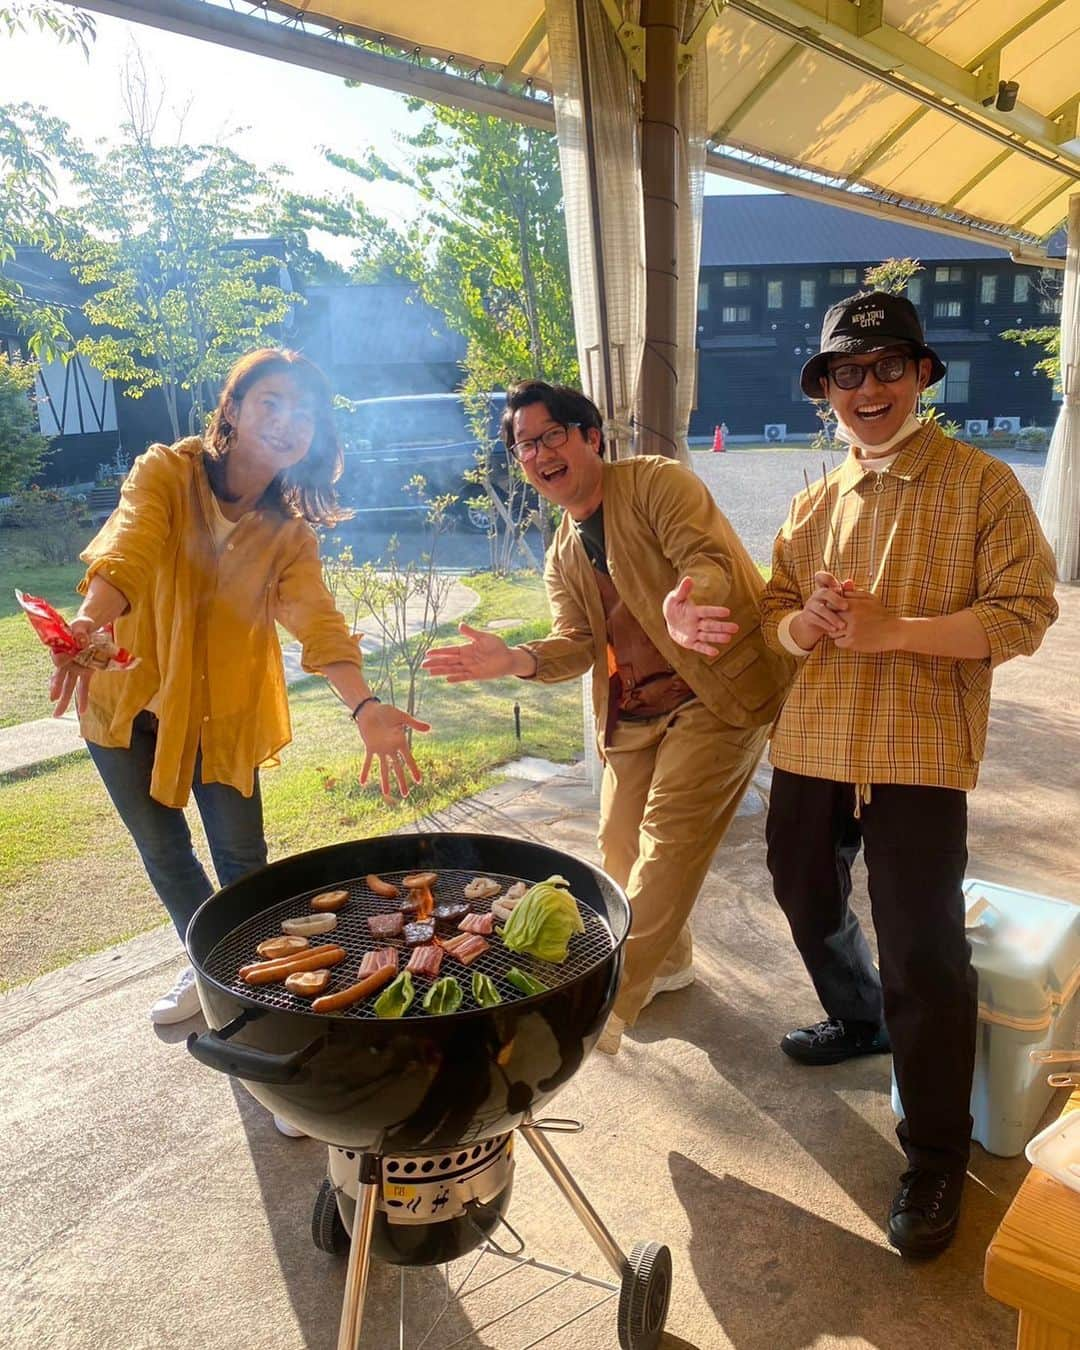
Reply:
x=661, y=524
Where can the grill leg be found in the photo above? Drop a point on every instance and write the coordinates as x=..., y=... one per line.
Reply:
x=562, y=1177
x=356, y=1277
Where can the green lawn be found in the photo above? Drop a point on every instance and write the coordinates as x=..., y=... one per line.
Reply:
x=71, y=882
x=24, y=663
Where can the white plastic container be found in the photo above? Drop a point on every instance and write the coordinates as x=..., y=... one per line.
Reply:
x=1057, y=1149
x=1026, y=950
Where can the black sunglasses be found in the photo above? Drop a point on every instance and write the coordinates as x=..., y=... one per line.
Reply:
x=887, y=370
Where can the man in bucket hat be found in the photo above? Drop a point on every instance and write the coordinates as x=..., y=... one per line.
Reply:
x=900, y=581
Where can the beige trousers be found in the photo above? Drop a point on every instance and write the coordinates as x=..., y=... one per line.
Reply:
x=671, y=786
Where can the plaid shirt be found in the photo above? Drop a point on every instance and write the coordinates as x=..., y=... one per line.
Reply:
x=945, y=528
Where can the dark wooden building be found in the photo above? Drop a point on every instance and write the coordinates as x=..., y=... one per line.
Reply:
x=772, y=265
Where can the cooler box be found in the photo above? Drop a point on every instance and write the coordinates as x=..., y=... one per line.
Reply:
x=1026, y=950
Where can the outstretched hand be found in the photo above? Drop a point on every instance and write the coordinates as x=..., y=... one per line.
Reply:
x=384, y=729
x=484, y=657
x=696, y=627
x=67, y=677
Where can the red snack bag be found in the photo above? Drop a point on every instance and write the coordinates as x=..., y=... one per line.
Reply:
x=100, y=653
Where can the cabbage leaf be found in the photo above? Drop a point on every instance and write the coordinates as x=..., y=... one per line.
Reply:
x=543, y=921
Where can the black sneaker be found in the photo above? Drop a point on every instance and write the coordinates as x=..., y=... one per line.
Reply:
x=831, y=1041
x=924, y=1213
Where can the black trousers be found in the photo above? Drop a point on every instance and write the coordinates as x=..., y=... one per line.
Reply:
x=915, y=842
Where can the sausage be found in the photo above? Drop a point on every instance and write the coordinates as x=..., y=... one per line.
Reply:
x=307, y=983
x=386, y=889
x=273, y=949
x=270, y=972
x=286, y=961
x=419, y=879
x=329, y=900
x=345, y=998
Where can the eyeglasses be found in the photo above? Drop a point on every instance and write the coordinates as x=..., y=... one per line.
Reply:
x=887, y=370
x=550, y=440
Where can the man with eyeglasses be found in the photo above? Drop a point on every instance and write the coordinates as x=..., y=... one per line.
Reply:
x=682, y=698
x=899, y=582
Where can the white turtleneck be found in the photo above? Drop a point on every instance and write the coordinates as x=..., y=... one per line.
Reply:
x=877, y=457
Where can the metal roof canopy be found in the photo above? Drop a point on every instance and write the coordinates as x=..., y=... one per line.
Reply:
x=890, y=107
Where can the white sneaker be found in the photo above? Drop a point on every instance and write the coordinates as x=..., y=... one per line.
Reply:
x=290, y=1131
x=667, y=984
x=611, y=1036
x=180, y=1003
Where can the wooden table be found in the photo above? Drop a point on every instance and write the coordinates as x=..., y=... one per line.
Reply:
x=1033, y=1262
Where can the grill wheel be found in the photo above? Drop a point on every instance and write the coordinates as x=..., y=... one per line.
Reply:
x=328, y=1231
x=644, y=1297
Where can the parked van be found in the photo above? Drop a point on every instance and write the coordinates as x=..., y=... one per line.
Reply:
x=389, y=441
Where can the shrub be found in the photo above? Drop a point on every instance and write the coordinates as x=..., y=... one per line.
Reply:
x=53, y=527
x=22, y=446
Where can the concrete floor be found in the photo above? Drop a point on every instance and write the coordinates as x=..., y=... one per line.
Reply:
x=148, y=1204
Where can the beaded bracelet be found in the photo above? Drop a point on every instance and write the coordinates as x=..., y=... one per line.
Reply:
x=371, y=698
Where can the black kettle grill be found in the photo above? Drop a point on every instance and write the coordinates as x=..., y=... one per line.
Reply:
x=421, y=1113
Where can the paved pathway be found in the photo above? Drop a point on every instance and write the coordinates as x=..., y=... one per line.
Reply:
x=30, y=743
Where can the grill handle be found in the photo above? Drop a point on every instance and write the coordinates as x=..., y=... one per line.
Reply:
x=213, y=1049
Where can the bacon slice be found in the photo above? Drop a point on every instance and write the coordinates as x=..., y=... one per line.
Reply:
x=386, y=925
x=467, y=948
x=376, y=960
x=477, y=923
x=425, y=961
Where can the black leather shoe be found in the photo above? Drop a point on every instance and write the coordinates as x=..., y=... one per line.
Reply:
x=831, y=1041
x=924, y=1213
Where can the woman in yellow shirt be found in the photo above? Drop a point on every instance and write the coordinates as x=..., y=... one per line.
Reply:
x=211, y=545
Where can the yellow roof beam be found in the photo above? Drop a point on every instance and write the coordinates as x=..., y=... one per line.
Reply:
x=859, y=37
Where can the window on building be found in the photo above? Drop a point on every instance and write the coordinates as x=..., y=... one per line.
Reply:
x=954, y=387
x=914, y=290
x=703, y=295
x=948, y=275
x=735, y=314
x=807, y=293
x=948, y=309
x=843, y=276
x=987, y=289
x=797, y=395
x=1049, y=291
x=1021, y=289
x=774, y=294
x=735, y=280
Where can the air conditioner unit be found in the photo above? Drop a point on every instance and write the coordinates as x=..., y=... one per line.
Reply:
x=976, y=426
x=1007, y=424
x=776, y=431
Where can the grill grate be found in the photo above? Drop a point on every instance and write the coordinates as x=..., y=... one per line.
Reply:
x=237, y=948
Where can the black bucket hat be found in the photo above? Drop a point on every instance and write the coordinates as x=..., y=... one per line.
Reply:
x=866, y=323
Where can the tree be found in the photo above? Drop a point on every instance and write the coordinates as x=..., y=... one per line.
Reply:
x=29, y=146
x=1048, y=338
x=489, y=252
x=22, y=446
x=892, y=275
x=174, y=299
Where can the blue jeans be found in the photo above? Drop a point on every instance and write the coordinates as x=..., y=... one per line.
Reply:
x=233, y=824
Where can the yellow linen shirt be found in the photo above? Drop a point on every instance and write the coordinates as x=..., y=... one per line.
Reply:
x=946, y=527
x=661, y=524
x=202, y=622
